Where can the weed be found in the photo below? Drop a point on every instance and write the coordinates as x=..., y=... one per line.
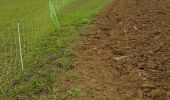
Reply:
x=73, y=92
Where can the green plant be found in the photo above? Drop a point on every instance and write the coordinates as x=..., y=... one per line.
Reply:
x=73, y=92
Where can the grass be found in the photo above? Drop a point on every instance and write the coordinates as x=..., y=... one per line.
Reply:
x=37, y=80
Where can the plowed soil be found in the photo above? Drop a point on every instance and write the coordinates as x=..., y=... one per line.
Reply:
x=126, y=54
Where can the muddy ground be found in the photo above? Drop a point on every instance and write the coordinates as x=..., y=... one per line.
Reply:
x=126, y=54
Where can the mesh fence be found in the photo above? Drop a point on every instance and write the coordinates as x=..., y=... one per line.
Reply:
x=23, y=44
x=27, y=41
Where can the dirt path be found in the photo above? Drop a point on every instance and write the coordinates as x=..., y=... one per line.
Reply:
x=126, y=55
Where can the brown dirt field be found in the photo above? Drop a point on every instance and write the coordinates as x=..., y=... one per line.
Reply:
x=126, y=54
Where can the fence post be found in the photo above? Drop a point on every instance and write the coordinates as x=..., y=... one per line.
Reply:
x=20, y=46
x=54, y=17
x=63, y=3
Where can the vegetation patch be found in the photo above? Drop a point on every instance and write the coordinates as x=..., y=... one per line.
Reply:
x=38, y=79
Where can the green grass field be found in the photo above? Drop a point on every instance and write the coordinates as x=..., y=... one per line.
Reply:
x=47, y=52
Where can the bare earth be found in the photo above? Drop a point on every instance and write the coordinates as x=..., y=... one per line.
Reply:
x=126, y=54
